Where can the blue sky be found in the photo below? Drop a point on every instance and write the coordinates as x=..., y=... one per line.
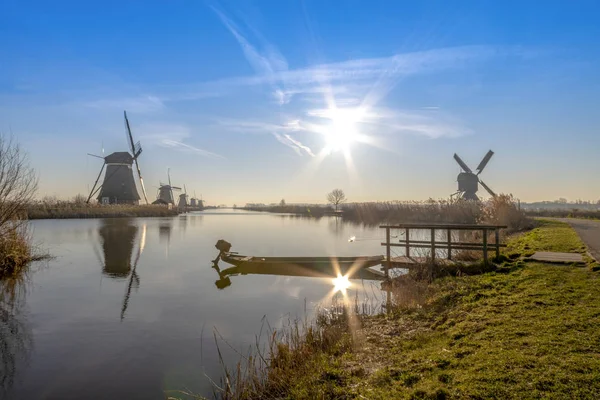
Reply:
x=254, y=101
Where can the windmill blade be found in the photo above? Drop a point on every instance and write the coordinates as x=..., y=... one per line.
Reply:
x=93, y=155
x=490, y=191
x=175, y=188
x=484, y=161
x=136, y=153
x=129, y=136
x=137, y=166
x=95, y=183
x=184, y=189
x=169, y=175
x=462, y=164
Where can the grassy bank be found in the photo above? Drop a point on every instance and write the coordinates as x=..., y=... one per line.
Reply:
x=17, y=253
x=525, y=331
x=75, y=210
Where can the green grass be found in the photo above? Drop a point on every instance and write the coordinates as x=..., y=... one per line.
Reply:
x=548, y=236
x=531, y=333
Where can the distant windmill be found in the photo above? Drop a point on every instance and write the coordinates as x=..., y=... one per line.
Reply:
x=468, y=181
x=165, y=192
x=183, y=198
x=194, y=200
x=118, y=186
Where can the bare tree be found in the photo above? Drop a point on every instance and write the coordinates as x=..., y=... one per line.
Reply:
x=336, y=197
x=18, y=184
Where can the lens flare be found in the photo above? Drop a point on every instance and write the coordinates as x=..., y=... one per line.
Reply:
x=341, y=283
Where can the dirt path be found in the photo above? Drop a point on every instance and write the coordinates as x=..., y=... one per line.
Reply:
x=589, y=232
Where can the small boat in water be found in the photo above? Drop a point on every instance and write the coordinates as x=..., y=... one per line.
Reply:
x=343, y=263
x=355, y=267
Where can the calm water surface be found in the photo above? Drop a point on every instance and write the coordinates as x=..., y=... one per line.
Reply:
x=128, y=307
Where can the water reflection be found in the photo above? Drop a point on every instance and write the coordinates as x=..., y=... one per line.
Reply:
x=355, y=270
x=118, y=239
x=15, y=336
x=164, y=231
x=134, y=279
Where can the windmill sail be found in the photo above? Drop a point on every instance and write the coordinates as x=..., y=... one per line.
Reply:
x=462, y=164
x=484, y=162
x=136, y=150
x=490, y=191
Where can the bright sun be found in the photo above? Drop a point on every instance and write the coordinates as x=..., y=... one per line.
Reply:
x=342, y=131
x=341, y=283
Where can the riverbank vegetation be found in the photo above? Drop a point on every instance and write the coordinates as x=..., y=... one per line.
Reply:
x=52, y=208
x=523, y=331
x=500, y=210
x=18, y=184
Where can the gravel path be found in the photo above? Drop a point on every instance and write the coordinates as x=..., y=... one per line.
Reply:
x=589, y=232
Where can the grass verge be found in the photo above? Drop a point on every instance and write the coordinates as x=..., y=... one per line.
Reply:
x=549, y=235
x=528, y=332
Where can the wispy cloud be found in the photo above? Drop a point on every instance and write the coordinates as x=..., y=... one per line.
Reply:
x=267, y=63
x=141, y=104
x=281, y=132
x=289, y=141
x=173, y=144
x=172, y=136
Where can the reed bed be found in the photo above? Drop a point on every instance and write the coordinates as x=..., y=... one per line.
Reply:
x=71, y=209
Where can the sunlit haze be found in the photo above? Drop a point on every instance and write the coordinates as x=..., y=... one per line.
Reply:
x=254, y=102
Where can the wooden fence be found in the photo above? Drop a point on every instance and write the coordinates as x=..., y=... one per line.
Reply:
x=483, y=245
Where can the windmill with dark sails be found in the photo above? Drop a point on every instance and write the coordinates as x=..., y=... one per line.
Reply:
x=468, y=181
x=119, y=186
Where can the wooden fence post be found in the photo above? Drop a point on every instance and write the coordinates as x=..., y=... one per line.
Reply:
x=432, y=245
x=407, y=234
x=388, y=251
x=485, y=248
x=449, y=234
x=497, y=243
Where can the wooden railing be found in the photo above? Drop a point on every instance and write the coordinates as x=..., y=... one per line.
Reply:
x=447, y=244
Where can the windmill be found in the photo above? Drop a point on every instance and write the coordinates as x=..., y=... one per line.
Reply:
x=183, y=198
x=119, y=186
x=165, y=192
x=468, y=181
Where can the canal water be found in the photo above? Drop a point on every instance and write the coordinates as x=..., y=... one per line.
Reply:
x=128, y=308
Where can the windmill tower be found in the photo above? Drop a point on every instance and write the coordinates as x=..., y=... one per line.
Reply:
x=468, y=181
x=119, y=186
x=165, y=192
x=183, y=198
x=194, y=202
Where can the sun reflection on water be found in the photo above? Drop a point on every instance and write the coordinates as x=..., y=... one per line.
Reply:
x=341, y=283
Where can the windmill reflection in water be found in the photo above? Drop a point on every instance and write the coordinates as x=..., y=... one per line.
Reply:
x=118, y=239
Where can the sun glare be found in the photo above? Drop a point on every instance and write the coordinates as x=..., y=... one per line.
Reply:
x=342, y=131
x=340, y=284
